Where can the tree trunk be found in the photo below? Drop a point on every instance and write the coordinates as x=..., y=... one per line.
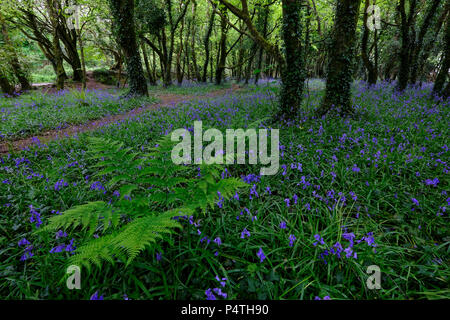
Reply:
x=372, y=73
x=6, y=87
x=405, y=61
x=446, y=92
x=444, y=71
x=151, y=79
x=206, y=42
x=240, y=59
x=341, y=56
x=123, y=14
x=417, y=48
x=222, y=53
x=52, y=7
x=262, y=26
x=430, y=43
x=248, y=70
x=211, y=66
x=14, y=60
x=167, y=76
x=83, y=63
x=179, y=71
x=292, y=74
x=196, y=70
x=118, y=61
x=69, y=39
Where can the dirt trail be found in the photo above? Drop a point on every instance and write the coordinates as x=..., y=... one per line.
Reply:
x=165, y=100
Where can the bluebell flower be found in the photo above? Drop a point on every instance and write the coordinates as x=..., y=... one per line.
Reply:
x=23, y=242
x=70, y=247
x=35, y=216
x=251, y=178
x=158, y=256
x=210, y=295
x=222, y=281
x=60, y=184
x=58, y=248
x=95, y=296
x=219, y=292
x=319, y=240
x=245, y=233
x=292, y=239
x=61, y=234
x=287, y=202
x=261, y=255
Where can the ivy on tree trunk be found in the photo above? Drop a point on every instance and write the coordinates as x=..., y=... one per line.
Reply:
x=53, y=8
x=5, y=85
x=123, y=14
x=341, y=55
x=292, y=74
x=443, y=74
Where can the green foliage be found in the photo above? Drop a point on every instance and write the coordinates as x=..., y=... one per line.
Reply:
x=412, y=246
x=105, y=76
x=150, y=15
x=35, y=112
x=153, y=190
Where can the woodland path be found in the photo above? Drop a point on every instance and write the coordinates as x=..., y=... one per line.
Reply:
x=165, y=100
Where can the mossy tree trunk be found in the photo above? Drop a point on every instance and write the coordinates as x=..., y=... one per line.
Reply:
x=179, y=70
x=150, y=76
x=69, y=39
x=404, y=56
x=5, y=85
x=206, y=42
x=14, y=60
x=222, y=53
x=416, y=51
x=443, y=74
x=292, y=74
x=372, y=72
x=193, y=32
x=123, y=14
x=290, y=61
x=263, y=17
x=53, y=9
x=341, y=56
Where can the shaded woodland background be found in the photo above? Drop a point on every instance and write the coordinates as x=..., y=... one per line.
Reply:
x=146, y=42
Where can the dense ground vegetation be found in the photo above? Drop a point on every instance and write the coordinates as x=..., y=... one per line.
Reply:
x=91, y=91
x=349, y=194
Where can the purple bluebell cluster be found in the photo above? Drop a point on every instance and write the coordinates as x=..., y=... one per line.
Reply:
x=96, y=296
x=389, y=164
x=64, y=247
x=218, y=291
x=339, y=251
x=36, y=112
x=27, y=250
x=35, y=216
x=261, y=255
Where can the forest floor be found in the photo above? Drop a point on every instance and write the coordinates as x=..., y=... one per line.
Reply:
x=164, y=100
x=350, y=194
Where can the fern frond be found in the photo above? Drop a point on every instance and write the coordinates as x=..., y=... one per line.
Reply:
x=142, y=232
x=88, y=216
x=127, y=242
x=148, y=184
